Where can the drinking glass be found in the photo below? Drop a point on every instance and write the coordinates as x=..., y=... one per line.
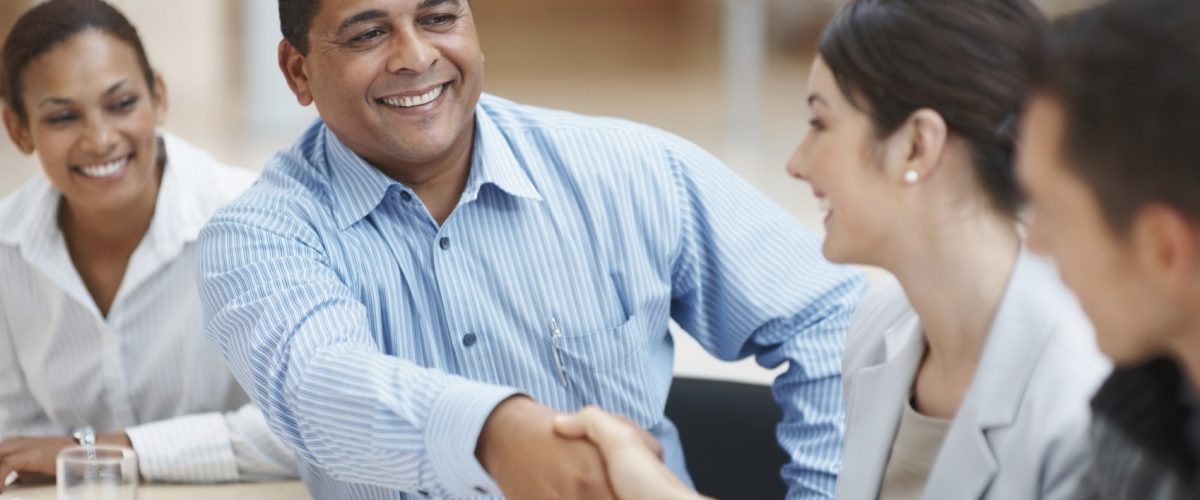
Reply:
x=97, y=473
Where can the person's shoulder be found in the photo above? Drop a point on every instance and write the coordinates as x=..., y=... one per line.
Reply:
x=19, y=209
x=603, y=135
x=883, y=308
x=1071, y=355
x=201, y=173
x=885, y=305
x=1069, y=368
x=292, y=189
x=512, y=116
x=16, y=203
x=606, y=146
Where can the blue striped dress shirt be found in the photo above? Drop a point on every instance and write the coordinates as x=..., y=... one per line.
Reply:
x=378, y=342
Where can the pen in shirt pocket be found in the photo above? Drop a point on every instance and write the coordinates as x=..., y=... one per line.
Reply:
x=555, y=337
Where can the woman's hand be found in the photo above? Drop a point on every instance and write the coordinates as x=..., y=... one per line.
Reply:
x=34, y=458
x=31, y=456
x=632, y=456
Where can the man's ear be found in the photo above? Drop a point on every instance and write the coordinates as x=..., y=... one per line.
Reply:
x=917, y=145
x=17, y=131
x=1167, y=248
x=295, y=71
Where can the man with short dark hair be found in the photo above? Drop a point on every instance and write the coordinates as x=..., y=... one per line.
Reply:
x=415, y=289
x=1110, y=155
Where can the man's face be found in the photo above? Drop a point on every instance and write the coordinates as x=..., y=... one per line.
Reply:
x=1133, y=319
x=396, y=80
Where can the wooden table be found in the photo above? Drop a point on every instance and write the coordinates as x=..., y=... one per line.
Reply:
x=287, y=490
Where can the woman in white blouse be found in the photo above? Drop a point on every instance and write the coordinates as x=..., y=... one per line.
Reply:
x=100, y=322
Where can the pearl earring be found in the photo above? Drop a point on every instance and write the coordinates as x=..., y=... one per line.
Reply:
x=912, y=176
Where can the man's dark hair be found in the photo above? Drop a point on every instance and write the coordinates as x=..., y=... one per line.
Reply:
x=50, y=23
x=295, y=18
x=964, y=59
x=1128, y=76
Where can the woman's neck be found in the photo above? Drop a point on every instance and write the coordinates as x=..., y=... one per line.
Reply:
x=955, y=278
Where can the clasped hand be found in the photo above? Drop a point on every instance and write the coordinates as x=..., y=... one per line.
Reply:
x=533, y=453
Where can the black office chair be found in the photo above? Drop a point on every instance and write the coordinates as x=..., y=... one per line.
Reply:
x=728, y=435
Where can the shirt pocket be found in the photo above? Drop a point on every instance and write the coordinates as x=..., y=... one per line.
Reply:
x=603, y=351
x=612, y=369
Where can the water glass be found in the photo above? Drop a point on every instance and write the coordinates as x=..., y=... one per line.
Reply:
x=97, y=473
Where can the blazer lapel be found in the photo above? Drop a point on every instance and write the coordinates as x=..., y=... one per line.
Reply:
x=877, y=395
x=966, y=465
x=1023, y=325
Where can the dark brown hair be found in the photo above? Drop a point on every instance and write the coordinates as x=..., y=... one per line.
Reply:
x=965, y=59
x=53, y=22
x=1128, y=76
x=295, y=19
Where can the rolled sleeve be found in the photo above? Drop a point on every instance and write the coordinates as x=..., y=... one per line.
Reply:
x=299, y=341
x=260, y=455
x=455, y=423
x=748, y=279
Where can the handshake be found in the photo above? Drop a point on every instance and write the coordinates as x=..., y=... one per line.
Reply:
x=533, y=452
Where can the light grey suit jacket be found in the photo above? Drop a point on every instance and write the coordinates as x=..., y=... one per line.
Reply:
x=1021, y=431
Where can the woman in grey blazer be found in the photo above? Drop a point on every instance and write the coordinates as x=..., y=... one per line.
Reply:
x=968, y=375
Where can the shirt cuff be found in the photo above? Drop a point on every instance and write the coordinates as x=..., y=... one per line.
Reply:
x=191, y=448
x=455, y=422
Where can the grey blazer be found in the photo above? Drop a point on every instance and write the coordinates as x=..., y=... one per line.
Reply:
x=1021, y=432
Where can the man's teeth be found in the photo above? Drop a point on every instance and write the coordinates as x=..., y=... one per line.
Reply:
x=414, y=101
x=106, y=170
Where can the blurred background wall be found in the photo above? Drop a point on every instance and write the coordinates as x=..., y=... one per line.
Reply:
x=729, y=75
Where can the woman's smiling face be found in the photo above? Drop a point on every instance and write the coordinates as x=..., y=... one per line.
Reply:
x=92, y=120
x=838, y=157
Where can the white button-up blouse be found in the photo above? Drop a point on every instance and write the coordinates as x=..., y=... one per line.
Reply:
x=148, y=367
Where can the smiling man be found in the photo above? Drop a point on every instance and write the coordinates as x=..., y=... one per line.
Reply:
x=415, y=289
x=1110, y=157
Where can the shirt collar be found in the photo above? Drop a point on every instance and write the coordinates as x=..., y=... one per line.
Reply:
x=183, y=205
x=181, y=209
x=494, y=162
x=358, y=187
x=29, y=214
x=178, y=214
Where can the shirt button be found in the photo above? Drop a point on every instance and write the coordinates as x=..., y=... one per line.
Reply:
x=444, y=243
x=406, y=196
x=470, y=339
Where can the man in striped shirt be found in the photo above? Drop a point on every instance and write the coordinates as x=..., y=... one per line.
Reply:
x=415, y=289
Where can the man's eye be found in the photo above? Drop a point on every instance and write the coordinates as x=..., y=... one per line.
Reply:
x=368, y=36
x=440, y=20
